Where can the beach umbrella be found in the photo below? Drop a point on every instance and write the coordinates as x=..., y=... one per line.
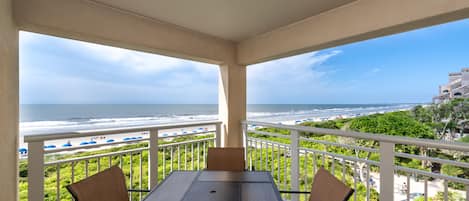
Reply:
x=23, y=150
x=127, y=139
x=92, y=142
x=110, y=140
x=67, y=145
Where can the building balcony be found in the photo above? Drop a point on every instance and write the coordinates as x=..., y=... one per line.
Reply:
x=369, y=163
x=232, y=37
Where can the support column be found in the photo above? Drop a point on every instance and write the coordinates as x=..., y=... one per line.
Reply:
x=386, y=171
x=9, y=98
x=295, y=163
x=232, y=103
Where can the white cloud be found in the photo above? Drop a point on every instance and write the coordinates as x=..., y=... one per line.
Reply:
x=139, y=61
x=296, y=76
x=375, y=70
x=131, y=76
x=136, y=60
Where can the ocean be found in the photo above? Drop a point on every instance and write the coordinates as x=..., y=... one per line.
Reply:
x=44, y=118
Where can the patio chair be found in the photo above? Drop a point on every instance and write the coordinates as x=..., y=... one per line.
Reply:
x=226, y=159
x=108, y=185
x=326, y=188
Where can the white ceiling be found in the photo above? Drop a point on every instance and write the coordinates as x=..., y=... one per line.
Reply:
x=234, y=20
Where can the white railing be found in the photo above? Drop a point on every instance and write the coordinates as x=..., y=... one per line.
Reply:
x=293, y=159
x=185, y=155
x=289, y=157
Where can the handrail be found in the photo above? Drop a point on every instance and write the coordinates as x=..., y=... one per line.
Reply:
x=36, y=150
x=98, y=132
x=457, y=146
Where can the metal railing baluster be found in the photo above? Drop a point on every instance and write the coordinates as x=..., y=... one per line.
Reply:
x=164, y=162
x=86, y=169
x=272, y=163
x=72, y=177
x=332, y=165
x=467, y=193
x=446, y=190
x=204, y=164
x=323, y=160
x=285, y=168
x=250, y=153
x=343, y=170
x=367, y=182
x=315, y=165
x=305, y=164
x=185, y=156
x=98, y=164
x=130, y=174
x=278, y=163
x=120, y=161
x=179, y=157
x=355, y=179
x=266, y=156
x=192, y=156
x=198, y=156
x=58, y=181
x=171, y=159
x=408, y=188
x=425, y=190
x=260, y=156
x=256, y=159
x=140, y=175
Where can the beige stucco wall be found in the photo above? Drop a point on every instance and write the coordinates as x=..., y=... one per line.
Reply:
x=88, y=21
x=361, y=20
x=8, y=102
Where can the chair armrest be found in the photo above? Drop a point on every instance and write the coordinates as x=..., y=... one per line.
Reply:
x=139, y=190
x=295, y=192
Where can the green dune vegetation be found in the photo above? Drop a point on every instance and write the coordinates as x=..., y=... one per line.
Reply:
x=436, y=121
x=441, y=121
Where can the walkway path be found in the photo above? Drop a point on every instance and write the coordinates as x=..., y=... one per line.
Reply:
x=416, y=187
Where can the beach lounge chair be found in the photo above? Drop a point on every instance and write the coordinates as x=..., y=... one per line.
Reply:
x=326, y=188
x=226, y=159
x=108, y=185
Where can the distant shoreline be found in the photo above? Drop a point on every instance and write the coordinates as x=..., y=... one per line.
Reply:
x=124, y=137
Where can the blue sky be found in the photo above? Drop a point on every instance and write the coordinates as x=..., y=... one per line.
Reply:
x=401, y=68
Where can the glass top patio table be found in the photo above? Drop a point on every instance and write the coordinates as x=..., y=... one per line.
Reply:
x=216, y=186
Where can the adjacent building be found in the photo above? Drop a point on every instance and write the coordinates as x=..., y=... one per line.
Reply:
x=457, y=87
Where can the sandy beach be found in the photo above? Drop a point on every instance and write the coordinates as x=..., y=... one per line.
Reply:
x=118, y=137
